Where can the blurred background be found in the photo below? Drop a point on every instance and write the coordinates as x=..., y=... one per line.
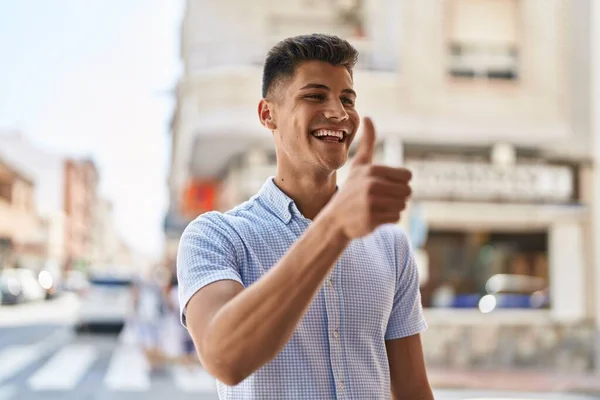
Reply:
x=120, y=122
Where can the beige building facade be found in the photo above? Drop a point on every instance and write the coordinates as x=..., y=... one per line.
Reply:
x=19, y=224
x=80, y=202
x=487, y=102
x=46, y=169
x=110, y=254
x=105, y=241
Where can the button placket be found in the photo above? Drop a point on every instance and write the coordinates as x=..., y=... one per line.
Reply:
x=332, y=303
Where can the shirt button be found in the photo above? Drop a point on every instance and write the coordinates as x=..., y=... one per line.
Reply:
x=342, y=386
x=336, y=334
x=330, y=282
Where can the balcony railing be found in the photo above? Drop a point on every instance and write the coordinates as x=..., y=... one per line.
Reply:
x=484, y=62
x=211, y=54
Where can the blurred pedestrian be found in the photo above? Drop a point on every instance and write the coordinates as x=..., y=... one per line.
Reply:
x=149, y=308
x=178, y=346
x=188, y=350
x=308, y=290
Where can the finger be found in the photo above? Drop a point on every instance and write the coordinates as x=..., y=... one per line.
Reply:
x=387, y=205
x=382, y=188
x=366, y=147
x=391, y=173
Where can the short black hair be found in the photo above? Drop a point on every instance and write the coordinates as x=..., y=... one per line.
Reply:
x=286, y=55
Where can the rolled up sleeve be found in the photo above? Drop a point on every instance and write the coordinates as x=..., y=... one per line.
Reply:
x=205, y=255
x=406, y=318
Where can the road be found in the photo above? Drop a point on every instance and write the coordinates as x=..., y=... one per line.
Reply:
x=42, y=358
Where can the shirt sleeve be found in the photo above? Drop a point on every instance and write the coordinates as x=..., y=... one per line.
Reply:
x=205, y=255
x=406, y=318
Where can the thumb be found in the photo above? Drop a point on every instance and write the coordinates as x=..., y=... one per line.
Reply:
x=366, y=147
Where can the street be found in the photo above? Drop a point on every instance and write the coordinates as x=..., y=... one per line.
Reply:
x=42, y=358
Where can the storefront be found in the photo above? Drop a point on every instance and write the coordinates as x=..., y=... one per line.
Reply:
x=465, y=266
x=501, y=245
x=496, y=229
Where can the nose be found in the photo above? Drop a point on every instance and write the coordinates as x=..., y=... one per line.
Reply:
x=335, y=110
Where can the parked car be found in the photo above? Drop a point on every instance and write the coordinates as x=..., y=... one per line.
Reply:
x=21, y=285
x=74, y=281
x=10, y=290
x=49, y=282
x=105, y=302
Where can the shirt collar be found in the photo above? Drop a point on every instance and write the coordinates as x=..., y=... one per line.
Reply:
x=278, y=202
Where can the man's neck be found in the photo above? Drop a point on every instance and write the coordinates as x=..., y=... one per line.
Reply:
x=310, y=192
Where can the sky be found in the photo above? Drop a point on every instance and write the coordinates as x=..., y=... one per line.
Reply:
x=94, y=78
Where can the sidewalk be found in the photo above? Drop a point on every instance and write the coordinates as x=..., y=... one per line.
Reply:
x=516, y=380
x=61, y=310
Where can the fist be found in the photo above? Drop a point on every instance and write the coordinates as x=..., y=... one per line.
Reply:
x=372, y=195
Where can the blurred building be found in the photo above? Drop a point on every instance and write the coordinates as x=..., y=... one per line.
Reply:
x=109, y=251
x=594, y=85
x=75, y=224
x=223, y=45
x=495, y=127
x=80, y=202
x=486, y=101
x=46, y=170
x=105, y=241
x=19, y=223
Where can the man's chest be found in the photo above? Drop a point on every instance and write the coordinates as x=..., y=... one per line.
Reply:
x=358, y=292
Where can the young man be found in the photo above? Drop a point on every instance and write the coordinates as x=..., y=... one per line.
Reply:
x=306, y=291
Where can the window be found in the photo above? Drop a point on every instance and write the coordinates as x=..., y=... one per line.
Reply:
x=483, y=39
x=487, y=269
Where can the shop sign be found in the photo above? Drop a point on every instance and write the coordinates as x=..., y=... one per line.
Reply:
x=475, y=181
x=198, y=197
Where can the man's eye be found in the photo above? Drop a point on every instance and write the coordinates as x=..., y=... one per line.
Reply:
x=348, y=101
x=315, y=97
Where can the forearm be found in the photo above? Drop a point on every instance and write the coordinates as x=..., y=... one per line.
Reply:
x=425, y=394
x=252, y=328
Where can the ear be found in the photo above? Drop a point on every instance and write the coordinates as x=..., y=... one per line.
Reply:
x=265, y=115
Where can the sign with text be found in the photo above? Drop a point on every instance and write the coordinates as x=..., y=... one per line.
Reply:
x=477, y=181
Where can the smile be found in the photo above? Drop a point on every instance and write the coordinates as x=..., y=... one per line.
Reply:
x=330, y=135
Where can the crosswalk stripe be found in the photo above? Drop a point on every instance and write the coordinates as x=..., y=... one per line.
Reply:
x=65, y=369
x=7, y=392
x=193, y=379
x=128, y=370
x=16, y=358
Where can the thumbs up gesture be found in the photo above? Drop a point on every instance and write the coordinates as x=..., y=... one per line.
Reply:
x=372, y=195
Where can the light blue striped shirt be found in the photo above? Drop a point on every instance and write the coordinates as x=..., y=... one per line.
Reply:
x=338, y=350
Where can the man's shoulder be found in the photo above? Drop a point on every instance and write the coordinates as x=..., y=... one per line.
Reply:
x=226, y=222
x=393, y=233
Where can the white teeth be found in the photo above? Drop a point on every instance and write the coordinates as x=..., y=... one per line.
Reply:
x=324, y=132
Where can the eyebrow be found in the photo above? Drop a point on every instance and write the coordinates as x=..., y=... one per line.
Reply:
x=321, y=86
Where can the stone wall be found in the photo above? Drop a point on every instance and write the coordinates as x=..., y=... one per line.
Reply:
x=553, y=346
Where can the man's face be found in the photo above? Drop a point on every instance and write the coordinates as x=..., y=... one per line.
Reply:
x=314, y=117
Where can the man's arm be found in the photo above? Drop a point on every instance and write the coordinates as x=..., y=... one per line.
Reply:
x=407, y=369
x=238, y=330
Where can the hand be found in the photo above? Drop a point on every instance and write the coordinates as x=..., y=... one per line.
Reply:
x=372, y=195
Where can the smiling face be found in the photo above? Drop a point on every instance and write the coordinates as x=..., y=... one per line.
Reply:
x=313, y=118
